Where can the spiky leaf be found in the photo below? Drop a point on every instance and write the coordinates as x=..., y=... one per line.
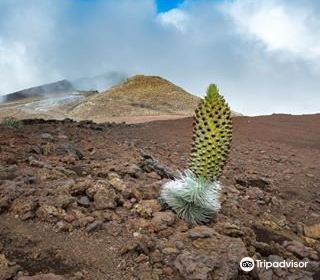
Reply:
x=194, y=200
x=212, y=135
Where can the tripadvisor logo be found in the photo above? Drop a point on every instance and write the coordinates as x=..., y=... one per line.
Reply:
x=247, y=264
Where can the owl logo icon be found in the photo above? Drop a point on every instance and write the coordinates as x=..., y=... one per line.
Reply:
x=247, y=264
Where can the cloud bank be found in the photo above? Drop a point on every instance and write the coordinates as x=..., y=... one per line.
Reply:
x=264, y=55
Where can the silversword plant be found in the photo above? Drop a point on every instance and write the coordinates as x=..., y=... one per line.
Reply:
x=195, y=194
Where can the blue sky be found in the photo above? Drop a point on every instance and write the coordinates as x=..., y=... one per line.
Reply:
x=162, y=5
x=165, y=5
x=264, y=55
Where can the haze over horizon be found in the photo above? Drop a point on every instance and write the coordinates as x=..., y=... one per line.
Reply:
x=264, y=55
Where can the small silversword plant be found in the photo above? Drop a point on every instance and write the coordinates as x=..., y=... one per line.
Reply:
x=12, y=122
x=195, y=194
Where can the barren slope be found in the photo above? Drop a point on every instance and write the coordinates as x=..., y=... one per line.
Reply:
x=138, y=99
x=138, y=96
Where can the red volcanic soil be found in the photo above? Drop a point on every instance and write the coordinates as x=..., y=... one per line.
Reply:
x=79, y=201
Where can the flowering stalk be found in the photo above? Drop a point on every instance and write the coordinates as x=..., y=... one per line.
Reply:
x=195, y=194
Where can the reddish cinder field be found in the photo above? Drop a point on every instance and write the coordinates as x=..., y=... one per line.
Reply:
x=79, y=200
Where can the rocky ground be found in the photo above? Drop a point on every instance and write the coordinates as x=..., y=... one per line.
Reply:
x=79, y=201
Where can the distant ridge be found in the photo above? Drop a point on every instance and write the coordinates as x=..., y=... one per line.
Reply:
x=137, y=99
x=58, y=87
x=139, y=95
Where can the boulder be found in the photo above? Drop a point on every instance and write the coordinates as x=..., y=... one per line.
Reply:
x=146, y=208
x=50, y=213
x=312, y=231
x=49, y=276
x=300, y=250
x=161, y=220
x=215, y=257
x=7, y=271
x=105, y=199
x=25, y=208
x=201, y=232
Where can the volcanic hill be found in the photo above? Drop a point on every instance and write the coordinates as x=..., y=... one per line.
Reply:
x=60, y=87
x=137, y=99
x=137, y=96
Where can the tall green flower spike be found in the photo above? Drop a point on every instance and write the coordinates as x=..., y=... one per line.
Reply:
x=195, y=194
x=212, y=134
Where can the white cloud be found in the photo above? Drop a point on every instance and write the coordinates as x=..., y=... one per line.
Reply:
x=25, y=32
x=279, y=25
x=175, y=18
x=13, y=59
x=263, y=59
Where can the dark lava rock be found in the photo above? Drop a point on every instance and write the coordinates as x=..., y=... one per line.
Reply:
x=47, y=137
x=83, y=201
x=8, y=172
x=70, y=150
x=49, y=276
x=95, y=226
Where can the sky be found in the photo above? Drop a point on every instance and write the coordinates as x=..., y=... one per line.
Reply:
x=167, y=5
x=263, y=55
